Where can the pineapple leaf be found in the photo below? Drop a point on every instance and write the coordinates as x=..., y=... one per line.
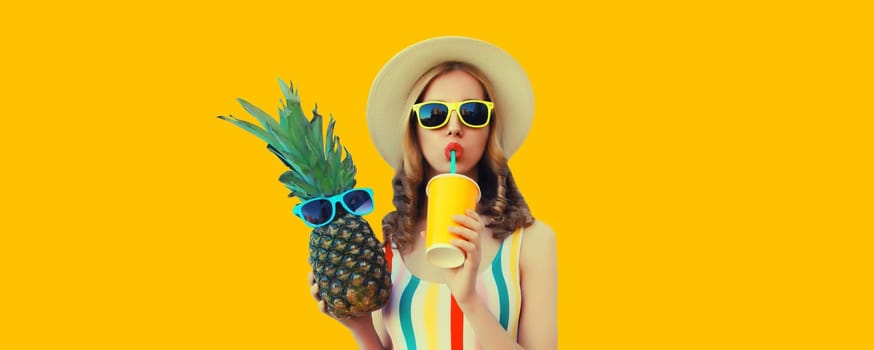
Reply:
x=290, y=163
x=265, y=119
x=334, y=157
x=269, y=124
x=283, y=141
x=287, y=90
x=316, y=142
x=294, y=134
x=289, y=180
x=294, y=112
x=350, y=171
x=296, y=123
x=330, y=139
x=315, y=160
x=251, y=128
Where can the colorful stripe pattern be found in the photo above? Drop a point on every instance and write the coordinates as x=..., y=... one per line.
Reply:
x=424, y=315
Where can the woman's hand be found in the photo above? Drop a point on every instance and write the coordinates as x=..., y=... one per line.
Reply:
x=462, y=280
x=354, y=323
x=362, y=326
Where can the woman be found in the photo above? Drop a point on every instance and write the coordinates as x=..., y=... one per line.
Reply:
x=472, y=97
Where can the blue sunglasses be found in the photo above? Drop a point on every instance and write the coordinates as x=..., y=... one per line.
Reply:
x=320, y=211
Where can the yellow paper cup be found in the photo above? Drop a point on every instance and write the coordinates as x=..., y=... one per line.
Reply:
x=448, y=195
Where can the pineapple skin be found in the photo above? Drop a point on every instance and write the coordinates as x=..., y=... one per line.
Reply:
x=350, y=267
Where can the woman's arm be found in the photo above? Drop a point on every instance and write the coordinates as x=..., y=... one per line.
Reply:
x=538, y=321
x=365, y=334
x=368, y=330
x=379, y=326
x=538, y=318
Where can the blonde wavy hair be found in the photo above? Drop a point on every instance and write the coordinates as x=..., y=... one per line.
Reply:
x=502, y=205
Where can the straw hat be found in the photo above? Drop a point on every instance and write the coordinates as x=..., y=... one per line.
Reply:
x=388, y=111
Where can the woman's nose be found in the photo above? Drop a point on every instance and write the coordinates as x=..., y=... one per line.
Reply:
x=454, y=125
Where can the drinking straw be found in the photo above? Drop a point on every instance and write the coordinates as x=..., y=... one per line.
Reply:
x=452, y=163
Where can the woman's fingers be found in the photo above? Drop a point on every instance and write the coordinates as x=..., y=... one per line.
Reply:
x=314, y=287
x=474, y=215
x=468, y=247
x=470, y=221
x=314, y=290
x=465, y=233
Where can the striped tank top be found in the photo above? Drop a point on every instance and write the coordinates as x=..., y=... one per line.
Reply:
x=424, y=315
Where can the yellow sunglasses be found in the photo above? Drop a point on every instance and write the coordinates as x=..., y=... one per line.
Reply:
x=435, y=114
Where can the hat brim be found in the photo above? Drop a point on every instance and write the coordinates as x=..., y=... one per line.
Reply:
x=387, y=112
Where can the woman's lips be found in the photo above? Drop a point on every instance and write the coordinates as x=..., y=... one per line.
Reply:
x=453, y=146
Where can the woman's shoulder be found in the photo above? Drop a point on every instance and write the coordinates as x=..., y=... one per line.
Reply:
x=538, y=253
x=537, y=239
x=538, y=231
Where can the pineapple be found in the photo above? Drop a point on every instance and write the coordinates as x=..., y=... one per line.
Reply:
x=346, y=257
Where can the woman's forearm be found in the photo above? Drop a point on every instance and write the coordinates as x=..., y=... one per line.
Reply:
x=366, y=337
x=488, y=331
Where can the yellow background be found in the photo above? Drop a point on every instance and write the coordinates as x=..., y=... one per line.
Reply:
x=706, y=167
